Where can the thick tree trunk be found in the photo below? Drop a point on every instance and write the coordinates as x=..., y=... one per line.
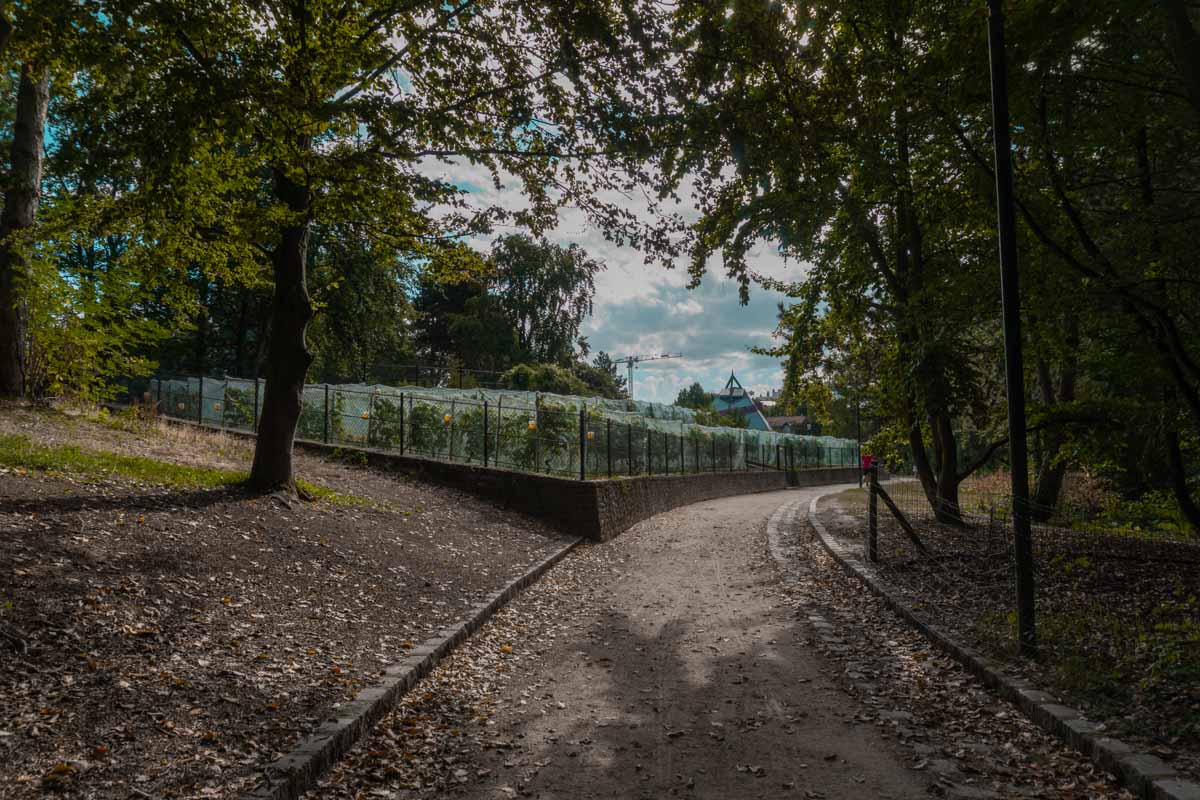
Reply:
x=288, y=357
x=946, y=508
x=1051, y=471
x=1185, y=46
x=939, y=479
x=921, y=461
x=20, y=208
x=1183, y=495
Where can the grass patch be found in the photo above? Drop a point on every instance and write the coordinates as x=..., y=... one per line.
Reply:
x=323, y=494
x=21, y=453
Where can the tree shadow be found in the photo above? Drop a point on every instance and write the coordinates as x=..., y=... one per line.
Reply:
x=734, y=724
x=149, y=500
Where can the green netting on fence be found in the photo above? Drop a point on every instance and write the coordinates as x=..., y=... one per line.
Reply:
x=526, y=431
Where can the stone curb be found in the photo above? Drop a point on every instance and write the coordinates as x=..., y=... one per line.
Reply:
x=1147, y=776
x=297, y=772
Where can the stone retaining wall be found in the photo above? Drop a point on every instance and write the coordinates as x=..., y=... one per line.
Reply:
x=595, y=509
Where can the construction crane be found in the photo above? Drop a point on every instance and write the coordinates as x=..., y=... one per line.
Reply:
x=632, y=361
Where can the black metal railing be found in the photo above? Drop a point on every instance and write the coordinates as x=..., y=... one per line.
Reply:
x=541, y=437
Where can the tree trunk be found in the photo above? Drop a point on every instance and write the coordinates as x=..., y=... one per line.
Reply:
x=1183, y=495
x=939, y=480
x=1051, y=471
x=20, y=208
x=1185, y=47
x=946, y=508
x=288, y=356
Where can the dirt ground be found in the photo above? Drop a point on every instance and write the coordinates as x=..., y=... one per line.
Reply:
x=171, y=643
x=1095, y=594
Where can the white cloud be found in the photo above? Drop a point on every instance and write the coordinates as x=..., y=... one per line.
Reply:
x=644, y=309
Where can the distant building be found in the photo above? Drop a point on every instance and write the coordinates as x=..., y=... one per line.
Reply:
x=793, y=424
x=735, y=400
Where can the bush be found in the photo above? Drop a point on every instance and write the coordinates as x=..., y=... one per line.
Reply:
x=384, y=426
x=238, y=408
x=543, y=378
x=428, y=432
x=312, y=419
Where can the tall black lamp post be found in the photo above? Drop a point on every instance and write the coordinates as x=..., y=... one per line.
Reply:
x=1013, y=363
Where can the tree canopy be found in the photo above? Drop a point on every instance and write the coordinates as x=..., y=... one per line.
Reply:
x=282, y=190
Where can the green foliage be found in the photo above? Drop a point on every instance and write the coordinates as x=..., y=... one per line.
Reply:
x=467, y=434
x=600, y=377
x=546, y=446
x=542, y=378
x=385, y=427
x=427, y=429
x=712, y=418
x=547, y=291
x=238, y=408
x=525, y=305
x=694, y=396
x=314, y=418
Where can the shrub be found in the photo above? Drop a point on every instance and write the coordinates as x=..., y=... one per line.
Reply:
x=312, y=418
x=238, y=409
x=384, y=426
x=427, y=430
x=543, y=378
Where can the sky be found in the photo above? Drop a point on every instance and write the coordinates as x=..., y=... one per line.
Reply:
x=648, y=309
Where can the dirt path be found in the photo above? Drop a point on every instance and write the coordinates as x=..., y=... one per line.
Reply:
x=688, y=678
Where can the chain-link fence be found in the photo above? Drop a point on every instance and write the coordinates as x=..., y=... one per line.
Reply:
x=551, y=434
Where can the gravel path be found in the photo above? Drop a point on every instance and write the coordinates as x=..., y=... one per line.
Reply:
x=682, y=673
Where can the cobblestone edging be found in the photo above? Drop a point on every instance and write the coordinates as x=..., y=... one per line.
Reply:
x=297, y=772
x=1147, y=776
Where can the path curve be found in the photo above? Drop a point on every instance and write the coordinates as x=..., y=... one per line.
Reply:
x=693, y=679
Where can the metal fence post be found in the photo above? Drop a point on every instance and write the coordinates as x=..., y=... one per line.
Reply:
x=696, y=453
x=649, y=452
x=325, y=429
x=713, y=447
x=485, y=433
x=629, y=448
x=158, y=403
x=608, y=443
x=371, y=420
x=872, y=543
x=582, y=444
x=402, y=423
x=499, y=428
x=200, y=403
x=256, y=405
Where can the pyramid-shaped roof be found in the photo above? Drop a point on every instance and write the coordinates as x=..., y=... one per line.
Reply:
x=734, y=399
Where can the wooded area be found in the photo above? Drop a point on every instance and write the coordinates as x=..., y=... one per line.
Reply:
x=259, y=188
